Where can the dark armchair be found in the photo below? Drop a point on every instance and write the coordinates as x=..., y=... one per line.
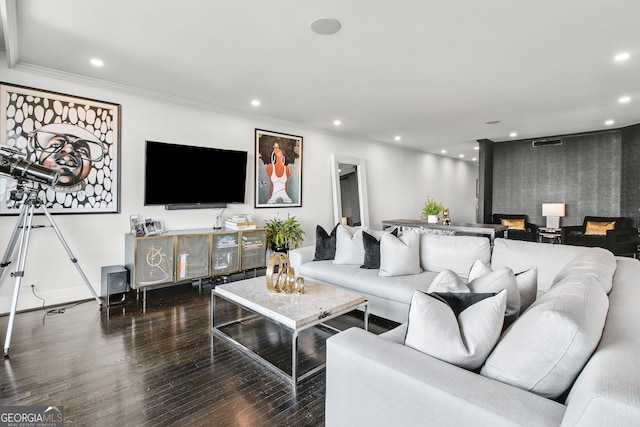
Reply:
x=613, y=233
x=519, y=226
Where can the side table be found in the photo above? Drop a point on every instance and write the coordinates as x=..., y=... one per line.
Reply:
x=550, y=235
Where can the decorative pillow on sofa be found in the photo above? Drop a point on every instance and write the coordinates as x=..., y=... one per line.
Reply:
x=528, y=286
x=349, y=246
x=325, y=244
x=372, y=248
x=399, y=255
x=495, y=281
x=545, y=350
x=598, y=228
x=448, y=281
x=514, y=224
x=486, y=282
x=526, y=281
x=460, y=329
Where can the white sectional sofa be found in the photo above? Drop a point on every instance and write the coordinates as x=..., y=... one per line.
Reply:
x=378, y=381
x=389, y=296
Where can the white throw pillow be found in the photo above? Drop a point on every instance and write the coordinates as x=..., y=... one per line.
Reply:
x=349, y=245
x=526, y=281
x=495, y=281
x=482, y=280
x=399, y=255
x=528, y=286
x=545, y=350
x=464, y=340
x=448, y=281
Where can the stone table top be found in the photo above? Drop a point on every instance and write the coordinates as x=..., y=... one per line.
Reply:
x=295, y=311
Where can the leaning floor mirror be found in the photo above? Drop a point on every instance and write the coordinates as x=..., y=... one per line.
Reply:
x=349, y=184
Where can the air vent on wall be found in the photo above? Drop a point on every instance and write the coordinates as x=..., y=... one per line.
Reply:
x=546, y=142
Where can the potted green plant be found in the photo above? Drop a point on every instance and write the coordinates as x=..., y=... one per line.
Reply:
x=282, y=234
x=431, y=209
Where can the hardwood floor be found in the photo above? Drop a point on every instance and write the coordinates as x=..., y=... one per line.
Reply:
x=120, y=366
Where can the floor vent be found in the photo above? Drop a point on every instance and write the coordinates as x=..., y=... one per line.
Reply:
x=546, y=142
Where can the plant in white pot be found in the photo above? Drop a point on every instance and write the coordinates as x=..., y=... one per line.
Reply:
x=431, y=209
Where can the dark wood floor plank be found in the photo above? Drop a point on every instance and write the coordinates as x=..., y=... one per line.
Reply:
x=124, y=367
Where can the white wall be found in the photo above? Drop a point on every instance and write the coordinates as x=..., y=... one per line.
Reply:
x=398, y=181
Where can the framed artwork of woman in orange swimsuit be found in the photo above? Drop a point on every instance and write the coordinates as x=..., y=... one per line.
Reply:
x=278, y=170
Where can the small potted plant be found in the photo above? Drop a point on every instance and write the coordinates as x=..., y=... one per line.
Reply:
x=431, y=209
x=282, y=234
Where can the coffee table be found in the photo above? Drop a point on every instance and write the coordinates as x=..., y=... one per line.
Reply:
x=294, y=312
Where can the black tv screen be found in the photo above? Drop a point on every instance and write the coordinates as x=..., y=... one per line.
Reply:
x=191, y=177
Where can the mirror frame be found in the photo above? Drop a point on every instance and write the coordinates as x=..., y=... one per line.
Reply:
x=363, y=198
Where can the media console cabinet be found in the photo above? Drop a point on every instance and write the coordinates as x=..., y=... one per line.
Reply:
x=188, y=255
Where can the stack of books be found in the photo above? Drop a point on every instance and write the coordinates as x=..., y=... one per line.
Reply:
x=251, y=242
x=240, y=222
x=226, y=241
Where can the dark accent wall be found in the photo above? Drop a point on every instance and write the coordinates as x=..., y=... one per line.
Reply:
x=593, y=173
x=630, y=177
x=484, y=186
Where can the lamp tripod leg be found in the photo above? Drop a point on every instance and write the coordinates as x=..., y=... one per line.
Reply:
x=6, y=259
x=71, y=256
x=27, y=219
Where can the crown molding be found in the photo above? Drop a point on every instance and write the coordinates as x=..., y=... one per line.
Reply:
x=9, y=17
x=164, y=97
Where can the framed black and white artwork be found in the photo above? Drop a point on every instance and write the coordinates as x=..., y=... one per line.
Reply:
x=78, y=138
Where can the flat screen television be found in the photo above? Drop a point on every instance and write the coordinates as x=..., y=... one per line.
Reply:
x=189, y=177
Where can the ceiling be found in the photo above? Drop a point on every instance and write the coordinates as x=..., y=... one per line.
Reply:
x=432, y=72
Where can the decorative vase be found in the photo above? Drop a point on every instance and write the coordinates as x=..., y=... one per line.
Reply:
x=432, y=219
x=282, y=248
x=281, y=278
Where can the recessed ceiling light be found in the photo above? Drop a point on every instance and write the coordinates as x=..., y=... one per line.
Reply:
x=474, y=159
x=97, y=62
x=624, y=99
x=476, y=147
x=513, y=134
x=609, y=122
x=255, y=102
x=325, y=26
x=337, y=122
x=397, y=138
x=443, y=151
x=621, y=57
x=461, y=156
x=492, y=122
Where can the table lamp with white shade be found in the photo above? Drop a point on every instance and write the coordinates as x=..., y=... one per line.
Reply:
x=553, y=212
